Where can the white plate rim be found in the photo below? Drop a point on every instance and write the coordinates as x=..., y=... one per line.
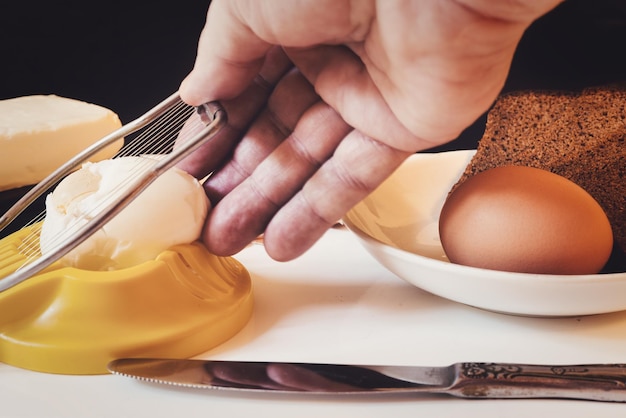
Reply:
x=569, y=285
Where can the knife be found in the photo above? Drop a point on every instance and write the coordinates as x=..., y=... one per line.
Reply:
x=598, y=382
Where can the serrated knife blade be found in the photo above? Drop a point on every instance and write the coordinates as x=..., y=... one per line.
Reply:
x=598, y=382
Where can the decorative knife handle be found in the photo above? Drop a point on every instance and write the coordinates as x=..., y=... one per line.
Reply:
x=500, y=380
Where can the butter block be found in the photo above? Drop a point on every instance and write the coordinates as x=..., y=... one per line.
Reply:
x=39, y=133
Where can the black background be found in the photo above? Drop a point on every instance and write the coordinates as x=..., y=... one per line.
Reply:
x=128, y=55
x=125, y=55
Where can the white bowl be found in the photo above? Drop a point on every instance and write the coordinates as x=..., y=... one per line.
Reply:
x=398, y=225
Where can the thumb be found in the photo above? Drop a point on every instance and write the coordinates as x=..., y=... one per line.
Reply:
x=229, y=55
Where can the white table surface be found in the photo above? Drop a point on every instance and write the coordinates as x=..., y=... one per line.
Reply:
x=336, y=304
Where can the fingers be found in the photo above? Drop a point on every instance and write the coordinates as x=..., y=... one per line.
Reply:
x=291, y=98
x=357, y=167
x=272, y=163
x=244, y=212
x=241, y=112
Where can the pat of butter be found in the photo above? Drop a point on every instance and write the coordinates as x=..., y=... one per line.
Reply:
x=40, y=133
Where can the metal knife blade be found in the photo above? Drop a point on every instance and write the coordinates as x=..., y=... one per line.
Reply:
x=598, y=382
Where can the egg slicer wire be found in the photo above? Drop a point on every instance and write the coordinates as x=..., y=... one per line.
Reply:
x=152, y=133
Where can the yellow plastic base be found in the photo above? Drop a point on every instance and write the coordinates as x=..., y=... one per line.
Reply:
x=71, y=321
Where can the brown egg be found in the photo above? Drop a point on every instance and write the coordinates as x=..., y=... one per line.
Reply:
x=526, y=220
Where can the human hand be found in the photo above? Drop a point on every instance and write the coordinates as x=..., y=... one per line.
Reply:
x=393, y=77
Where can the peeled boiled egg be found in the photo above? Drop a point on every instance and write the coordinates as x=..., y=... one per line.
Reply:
x=169, y=212
x=524, y=219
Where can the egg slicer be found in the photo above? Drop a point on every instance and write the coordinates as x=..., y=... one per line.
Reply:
x=60, y=319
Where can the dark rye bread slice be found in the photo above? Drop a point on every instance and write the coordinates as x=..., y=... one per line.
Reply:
x=580, y=136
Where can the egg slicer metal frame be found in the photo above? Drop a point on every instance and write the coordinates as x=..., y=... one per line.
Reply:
x=213, y=118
